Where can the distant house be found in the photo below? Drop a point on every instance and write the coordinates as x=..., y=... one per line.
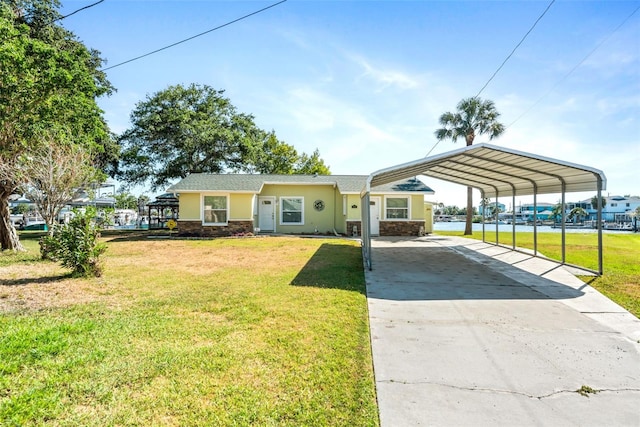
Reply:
x=230, y=204
x=543, y=211
x=616, y=208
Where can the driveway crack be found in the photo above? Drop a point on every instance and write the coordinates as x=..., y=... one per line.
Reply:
x=580, y=391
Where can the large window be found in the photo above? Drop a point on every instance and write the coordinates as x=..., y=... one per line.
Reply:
x=291, y=210
x=397, y=207
x=215, y=210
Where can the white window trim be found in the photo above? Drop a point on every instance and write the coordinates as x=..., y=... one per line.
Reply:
x=202, y=208
x=408, y=218
x=281, y=210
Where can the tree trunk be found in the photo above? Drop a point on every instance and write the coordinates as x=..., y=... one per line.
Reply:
x=8, y=235
x=468, y=225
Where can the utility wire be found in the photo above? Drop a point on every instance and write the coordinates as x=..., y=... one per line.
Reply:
x=193, y=37
x=505, y=61
x=74, y=12
x=515, y=48
x=61, y=18
x=576, y=67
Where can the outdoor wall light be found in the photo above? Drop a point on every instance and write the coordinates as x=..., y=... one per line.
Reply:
x=354, y=206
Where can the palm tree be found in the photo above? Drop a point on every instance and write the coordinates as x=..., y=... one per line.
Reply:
x=594, y=202
x=557, y=212
x=473, y=116
x=577, y=213
x=485, y=203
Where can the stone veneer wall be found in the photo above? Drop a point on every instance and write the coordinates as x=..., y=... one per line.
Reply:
x=400, y=228
x=196, y=229
x=350, y=225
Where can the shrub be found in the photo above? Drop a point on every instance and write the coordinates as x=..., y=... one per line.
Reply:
x=75, y=245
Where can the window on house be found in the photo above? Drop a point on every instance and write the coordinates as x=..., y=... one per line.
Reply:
x=215, y=209
x=397, y=208
x=291, y=212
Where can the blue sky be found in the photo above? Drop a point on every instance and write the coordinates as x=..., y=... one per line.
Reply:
x=366, y=81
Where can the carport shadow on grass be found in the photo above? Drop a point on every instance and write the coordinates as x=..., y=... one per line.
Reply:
x=443, y=273
x=333, y=266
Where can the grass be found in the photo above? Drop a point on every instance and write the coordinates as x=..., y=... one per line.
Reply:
x=256, y=331
x=621, y=252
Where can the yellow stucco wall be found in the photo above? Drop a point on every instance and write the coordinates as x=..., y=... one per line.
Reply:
x=417, y=207
x=324, y=221
x=240, y=206
x=189, y=205
x=353, y=214
x=428, y=217
x=416, y=204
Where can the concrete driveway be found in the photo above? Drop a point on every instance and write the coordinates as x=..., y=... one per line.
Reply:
x=465, y=333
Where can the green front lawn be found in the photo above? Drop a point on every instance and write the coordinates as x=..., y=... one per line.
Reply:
x=254, y=331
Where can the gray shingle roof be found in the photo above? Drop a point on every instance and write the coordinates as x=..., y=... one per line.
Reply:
x=252, y=183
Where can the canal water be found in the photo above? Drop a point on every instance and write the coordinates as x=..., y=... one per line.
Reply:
x=459, y=226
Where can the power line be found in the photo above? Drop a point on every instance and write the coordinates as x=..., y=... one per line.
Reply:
x=505, y=61
x=577, y=65
x=193, y=37
x=62, y=17
x=515, y=48
x=76, y=11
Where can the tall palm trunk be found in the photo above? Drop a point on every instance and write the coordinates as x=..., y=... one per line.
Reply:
x=469, y=220
x=468, y=225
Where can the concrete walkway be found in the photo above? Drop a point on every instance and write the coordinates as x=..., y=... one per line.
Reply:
x=466, y=333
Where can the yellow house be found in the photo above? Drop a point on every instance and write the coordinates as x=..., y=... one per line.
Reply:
x=232, y=204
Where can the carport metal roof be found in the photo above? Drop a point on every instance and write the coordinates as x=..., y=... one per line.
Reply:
x=496, y=172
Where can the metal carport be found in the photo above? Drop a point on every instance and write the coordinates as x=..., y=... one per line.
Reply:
x=496, y=172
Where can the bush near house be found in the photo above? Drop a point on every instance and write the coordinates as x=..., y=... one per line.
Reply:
x=76, y=244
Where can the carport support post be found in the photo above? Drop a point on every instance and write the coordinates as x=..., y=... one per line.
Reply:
x=513, y=220
x=497, y=216
x=563, y=222
x=599, y=218
x=484, y=214
x=365, y=210
x=535, y=221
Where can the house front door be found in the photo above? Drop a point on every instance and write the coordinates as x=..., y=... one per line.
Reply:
x=374, y=215
x=266, y=213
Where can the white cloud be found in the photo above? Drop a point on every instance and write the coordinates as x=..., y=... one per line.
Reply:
x=383, y=78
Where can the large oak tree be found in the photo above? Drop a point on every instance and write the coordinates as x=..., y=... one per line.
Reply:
x=49, y=79
x=196, y=129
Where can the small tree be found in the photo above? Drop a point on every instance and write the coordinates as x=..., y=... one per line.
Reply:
x=75, y=245
x=52, y=172
x=126, y=200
